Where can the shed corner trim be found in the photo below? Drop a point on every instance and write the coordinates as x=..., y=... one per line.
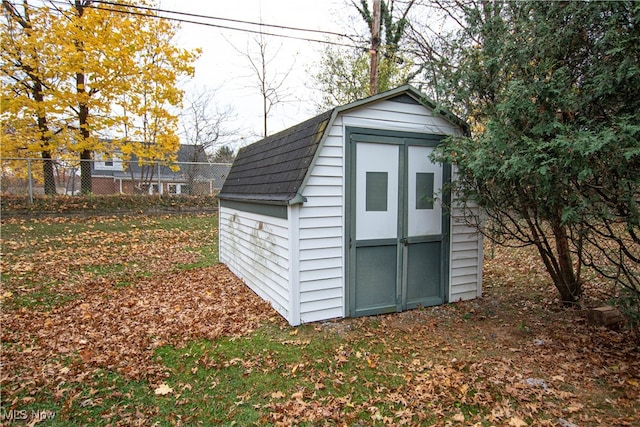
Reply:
x=298, y=199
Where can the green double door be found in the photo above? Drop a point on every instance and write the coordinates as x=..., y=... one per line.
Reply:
x=397, y=227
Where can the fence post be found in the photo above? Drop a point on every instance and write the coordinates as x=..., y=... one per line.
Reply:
x=159, y=180
x=30, y=181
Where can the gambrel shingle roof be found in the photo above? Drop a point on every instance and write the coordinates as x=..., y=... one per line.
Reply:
x=272, y=170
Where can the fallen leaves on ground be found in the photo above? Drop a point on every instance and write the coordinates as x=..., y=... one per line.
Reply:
x=514, y=357
x=120, y=328
x=95, y=252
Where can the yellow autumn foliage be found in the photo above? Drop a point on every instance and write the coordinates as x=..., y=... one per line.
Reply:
x=90, y=77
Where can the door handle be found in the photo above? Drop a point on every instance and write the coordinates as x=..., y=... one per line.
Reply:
x=405, y=241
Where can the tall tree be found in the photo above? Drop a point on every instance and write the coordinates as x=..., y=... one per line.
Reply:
x=96, y=58
x=149, y=124
x=430, y=36
x=204, y=127
x=271, y=82
x=28, y=120
x=95, y=68
x=551, y=89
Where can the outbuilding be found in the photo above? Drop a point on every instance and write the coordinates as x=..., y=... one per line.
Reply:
x=345, y=214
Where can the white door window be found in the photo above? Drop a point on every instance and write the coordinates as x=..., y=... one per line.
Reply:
x=377, y=191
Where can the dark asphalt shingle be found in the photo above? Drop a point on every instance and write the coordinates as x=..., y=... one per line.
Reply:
x=272, y=170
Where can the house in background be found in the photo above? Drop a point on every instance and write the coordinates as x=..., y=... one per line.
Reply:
x=346, y=215
x=191, y=174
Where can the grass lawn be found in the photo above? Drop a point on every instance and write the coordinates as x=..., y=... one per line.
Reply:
x=131, y=321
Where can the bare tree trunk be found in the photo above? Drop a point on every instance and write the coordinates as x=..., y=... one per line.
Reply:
x=83, y=118
x=556, y=256
x=47, y=171
x=86, y=185
x=569, y=285
x=43, y=127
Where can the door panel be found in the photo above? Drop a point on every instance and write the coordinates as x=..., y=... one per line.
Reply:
x=376, y=239
x=376, y=273
x=423, y=275
x=424, y=214
x=375, y=218
x=397, y=256
x=423, y=251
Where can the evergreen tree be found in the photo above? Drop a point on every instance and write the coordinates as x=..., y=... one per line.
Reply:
x=551, y=91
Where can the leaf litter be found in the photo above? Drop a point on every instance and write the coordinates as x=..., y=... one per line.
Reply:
x=513, y=357
x=120, y=328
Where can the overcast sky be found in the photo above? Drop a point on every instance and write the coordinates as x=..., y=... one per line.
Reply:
x=223, y=69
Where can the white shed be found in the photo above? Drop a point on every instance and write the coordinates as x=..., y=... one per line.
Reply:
x=343, y=215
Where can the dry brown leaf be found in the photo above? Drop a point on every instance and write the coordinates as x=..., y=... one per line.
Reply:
x=458, y=417
x=575, y=407
x=119, y=329
x=517, y=422
x=163, y=389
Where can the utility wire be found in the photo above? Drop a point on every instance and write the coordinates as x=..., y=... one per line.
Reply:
x=208, y=24
x=354, y=43
x=239, y=21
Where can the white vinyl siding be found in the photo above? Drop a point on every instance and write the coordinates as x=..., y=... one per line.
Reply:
x=322, y=283
x=321, y=235
x=466, y=257
x=400, y=116
x=256, y=249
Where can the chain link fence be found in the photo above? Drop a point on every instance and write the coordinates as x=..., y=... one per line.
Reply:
x=22, y=176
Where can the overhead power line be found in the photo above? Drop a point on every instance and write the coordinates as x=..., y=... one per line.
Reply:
x=216, y=18
x=128, y=9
